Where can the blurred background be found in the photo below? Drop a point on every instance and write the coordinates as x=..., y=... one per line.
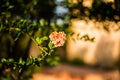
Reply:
x=92, y=49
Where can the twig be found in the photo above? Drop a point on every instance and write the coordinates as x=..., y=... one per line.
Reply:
x=37, y=44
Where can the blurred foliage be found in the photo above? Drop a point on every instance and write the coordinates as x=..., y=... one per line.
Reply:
x=105, y=12
x=94, y=9
x=84, y=37
x=31, y=9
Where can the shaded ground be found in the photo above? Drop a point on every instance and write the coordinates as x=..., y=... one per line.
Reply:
x=70, y=72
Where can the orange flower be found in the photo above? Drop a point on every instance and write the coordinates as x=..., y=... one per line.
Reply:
x=58, y=38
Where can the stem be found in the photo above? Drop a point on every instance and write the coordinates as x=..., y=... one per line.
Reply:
x=13, y=76
x=37, y=44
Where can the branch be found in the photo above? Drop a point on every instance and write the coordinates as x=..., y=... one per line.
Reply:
x=37, y=44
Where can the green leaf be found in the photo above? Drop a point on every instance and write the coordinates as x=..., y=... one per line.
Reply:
x=41, y=22
x=51, y=51
x=14, y=67
x=29, y=61
x=20, y=70
x=40, y=40
x=3, y=60
x=20, y=60
x=17, y=36
x=10, y=7
x=37, y=40
x=17, y=29
x=10, y=60
x=50, y=45
x=44, y=38
x=39, y=59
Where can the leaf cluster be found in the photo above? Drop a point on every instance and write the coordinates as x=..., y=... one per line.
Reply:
x=84, y=37
x=21, y=64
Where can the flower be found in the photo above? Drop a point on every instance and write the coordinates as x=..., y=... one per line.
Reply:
x=58, y=38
